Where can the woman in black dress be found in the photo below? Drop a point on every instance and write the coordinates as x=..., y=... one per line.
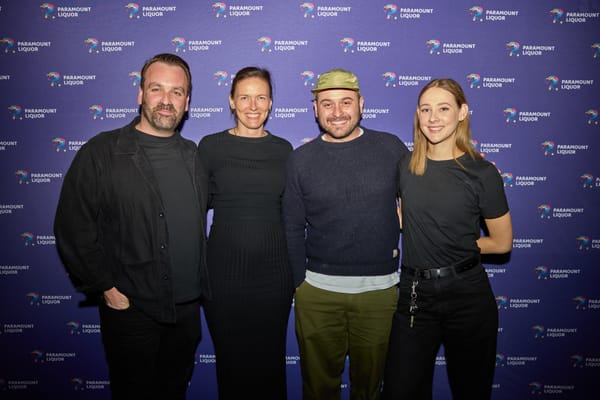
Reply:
x=247, y=259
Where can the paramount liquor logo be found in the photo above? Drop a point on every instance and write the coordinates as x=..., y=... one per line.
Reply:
x=351, y=45
x=517, y=49
x=554, y=83
x=492, y=148
x=136, y=12
x=50, y=11
x=504, y=302
x=184, y=45
x=543, y=272
x=477, y=81
x=550, y=148
x=17, y=328
x=62, y=145
x=288, y=112
x=512, y=115
x=393, y=12
x=479, y=14
x=503, y=360
x=204, y=112
x=14, y=270
x=100, y=112
x=57, y=79
x=310, y=11
x=547, y=212
x=269, y=45
x=559, y=16
x=222, y=10
x=391, y=79
x=527, y=243
x=436, y=47
x=96, y=46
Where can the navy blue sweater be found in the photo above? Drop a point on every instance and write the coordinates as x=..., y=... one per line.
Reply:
x=339, y=206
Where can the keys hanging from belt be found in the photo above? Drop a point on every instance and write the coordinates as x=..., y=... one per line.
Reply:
x=412, y=310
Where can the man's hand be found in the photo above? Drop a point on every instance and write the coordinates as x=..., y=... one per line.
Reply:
x=115, y=299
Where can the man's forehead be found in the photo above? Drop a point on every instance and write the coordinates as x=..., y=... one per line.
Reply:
x=337, y=94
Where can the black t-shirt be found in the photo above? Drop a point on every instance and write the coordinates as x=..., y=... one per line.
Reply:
x=182, y=212
x=442, y=210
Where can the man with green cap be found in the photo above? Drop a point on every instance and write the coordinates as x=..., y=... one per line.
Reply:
x=342, y=228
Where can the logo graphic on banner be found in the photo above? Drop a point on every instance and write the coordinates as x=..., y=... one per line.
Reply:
x=557, y=15
x=48, y=9
x=580, y=302
x=37, y=356
x=96, y=111
x=476, y=13
x=219, y=8
x=16, y=111
x=548, y=146
x=539, y=331
x=307, y=9
x=179, y=43
x=502, y=302
x=390, y=79
x=507, y=179
x=307, y=78
x=22, y=176
x=545, y=211
x=434, y=45
x=513, y=48
x=221, y=77
x=74, y=327
x=54, y=78
x=542, y=272
x=60, y=144
x=347, y=44
x=265, y=43
x=136, y=77
x=596, y=48
x=587, y=181
x=583, y=243
x=8, y=44
x=592, y=116
x=133, y=9
x=552, y=82
x=34, y=298
x=510, y=114
x=474, y=80
x=390, y=11
x=28, y=238
x=92, y=45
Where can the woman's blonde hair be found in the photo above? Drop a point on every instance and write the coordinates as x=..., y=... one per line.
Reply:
x=418, y=160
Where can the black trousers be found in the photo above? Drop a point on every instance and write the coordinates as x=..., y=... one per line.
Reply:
x=147, y=359
x=458, y=312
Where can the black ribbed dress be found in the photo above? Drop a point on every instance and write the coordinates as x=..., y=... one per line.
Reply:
x=248, y=264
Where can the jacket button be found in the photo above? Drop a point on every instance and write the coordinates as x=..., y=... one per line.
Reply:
x=163, y=246
x=161, y=214
x=165, y=277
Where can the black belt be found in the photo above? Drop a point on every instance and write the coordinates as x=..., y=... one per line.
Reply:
x=442, y=272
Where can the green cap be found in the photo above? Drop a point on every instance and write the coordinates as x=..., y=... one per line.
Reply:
x=337, y=79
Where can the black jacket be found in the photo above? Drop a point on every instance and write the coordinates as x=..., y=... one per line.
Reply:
x=110, y=226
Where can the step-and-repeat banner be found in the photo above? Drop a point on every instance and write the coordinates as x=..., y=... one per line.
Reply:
x=531, y=71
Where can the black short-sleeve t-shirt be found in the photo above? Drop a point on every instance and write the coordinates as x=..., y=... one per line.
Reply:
x=442, y=210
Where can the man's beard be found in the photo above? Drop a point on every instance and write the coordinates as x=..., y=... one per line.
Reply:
x=344, y=134
x=162, y=122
